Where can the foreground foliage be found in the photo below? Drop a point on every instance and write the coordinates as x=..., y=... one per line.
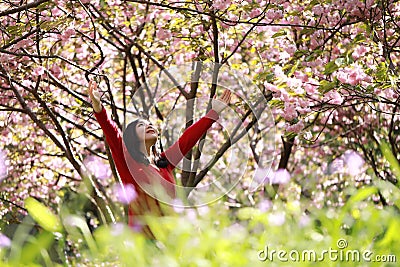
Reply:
x=216, y=236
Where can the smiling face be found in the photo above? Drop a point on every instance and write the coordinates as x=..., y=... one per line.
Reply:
x=146, y=132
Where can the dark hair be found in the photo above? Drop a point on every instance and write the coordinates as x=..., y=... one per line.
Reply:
x=132, y=143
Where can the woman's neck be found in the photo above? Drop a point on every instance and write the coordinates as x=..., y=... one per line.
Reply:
x=145, y=149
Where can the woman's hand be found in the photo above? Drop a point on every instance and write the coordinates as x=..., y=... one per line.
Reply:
x=94, y=95
x=222, y=102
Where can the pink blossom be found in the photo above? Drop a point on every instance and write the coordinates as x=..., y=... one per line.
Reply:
x=4, y=241
x=117, y=229
x=284, y=95
x=166, y=15
x=289, y=112
x=97, y=167
x=232, y=17
x=303, y=77
x=277, y=218
x=311, y=89
x=221, y=4
x=318, y=10
x=336, y=166
x=185, y=32
x=26, y=83
x=281, y=176
x=67, y=34
x=353, y=161
x=333, y=97
x=23, y=43
x=304, y=220
x=56, y=70
x=360, y=51
x=264, y=205
x=199, y=29
x=295, y=128
x=3, y=165
x=389, y=93
x=56, y=11
x=294, y=82
x=255, y=12
x=203, y=210
x=342, y=76
x=273, y=14
x=163, y=34
x=178, y=205
x=125, y=194
x=38, y=71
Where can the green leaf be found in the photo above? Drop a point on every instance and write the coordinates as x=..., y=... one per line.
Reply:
x=294, y=68
x=33, y=249
x=360, y=38
x=330, y=67
x=391, y=234
x=394, y=163
x=307, y=31
x=45, y=6
x=42, y=215
x=362, y=194
x=300, y=53
x=278, y=34
x=247, y=213
x=381, y=72
x=326, y=86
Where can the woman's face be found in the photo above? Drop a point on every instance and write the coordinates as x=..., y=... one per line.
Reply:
x=146, y=132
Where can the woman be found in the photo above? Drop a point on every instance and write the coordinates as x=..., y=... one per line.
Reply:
x=140, y=168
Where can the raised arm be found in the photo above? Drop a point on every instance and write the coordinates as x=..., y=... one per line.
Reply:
x=191, y=135
x=110, y=128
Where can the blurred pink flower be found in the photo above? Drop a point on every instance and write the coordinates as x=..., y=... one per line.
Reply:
x=221, y=4
x=97, y=167
x=289, y=113
x=354, y=162
x=163, y=34
x=23, y=43
x=178, y=206
x=335, y=166
x=295, y=128
x=255, y=13
x=264, y=205
x=360, y=51
x=281, y=176
x=4, y=241
x=67, y=34
x=56, y=70
x=125, y=194
x=56, y=12
x=277, y=218
x=38, y=71
x=333, y=97
x=304, y=221
x=318, y=10
x=311, y=89
x=3, y=165
x=274, y=14
x=26, y=83
x=117, y=229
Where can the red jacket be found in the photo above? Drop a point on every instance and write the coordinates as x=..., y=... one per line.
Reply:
x=131, y=171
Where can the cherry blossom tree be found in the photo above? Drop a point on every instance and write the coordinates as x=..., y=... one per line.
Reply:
x=327, y=69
